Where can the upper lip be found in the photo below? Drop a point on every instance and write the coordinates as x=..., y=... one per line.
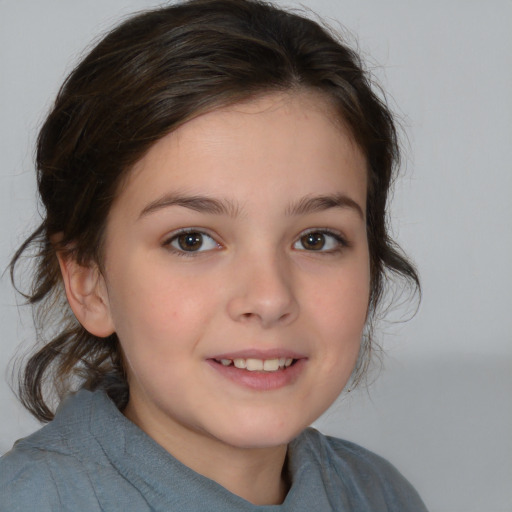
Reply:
x=254, y=353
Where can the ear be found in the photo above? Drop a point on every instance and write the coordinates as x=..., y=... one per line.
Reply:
x=87, y=295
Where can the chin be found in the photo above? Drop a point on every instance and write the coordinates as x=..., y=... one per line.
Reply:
x=261, y=434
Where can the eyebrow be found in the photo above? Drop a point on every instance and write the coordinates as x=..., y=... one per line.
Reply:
x=312, y=204
x=196, y=202
x=204, y=204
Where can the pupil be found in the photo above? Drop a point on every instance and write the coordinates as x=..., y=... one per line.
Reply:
x=314, y=241
x=190, y=241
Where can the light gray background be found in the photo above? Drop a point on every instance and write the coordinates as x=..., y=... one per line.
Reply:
x=441, y=409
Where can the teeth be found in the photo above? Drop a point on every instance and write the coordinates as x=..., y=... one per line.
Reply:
x=271, y=365
x=255, y=365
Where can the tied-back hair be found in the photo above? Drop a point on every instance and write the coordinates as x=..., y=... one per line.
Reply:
x=143, y=80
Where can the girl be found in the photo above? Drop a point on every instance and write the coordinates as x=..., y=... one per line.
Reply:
x=213, y=250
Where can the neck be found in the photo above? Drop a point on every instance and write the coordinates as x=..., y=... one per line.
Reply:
x=255, y=474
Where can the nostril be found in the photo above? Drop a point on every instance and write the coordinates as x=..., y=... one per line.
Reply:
x=266, y=309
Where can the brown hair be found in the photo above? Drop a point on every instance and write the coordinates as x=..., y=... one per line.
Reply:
x=144, y=79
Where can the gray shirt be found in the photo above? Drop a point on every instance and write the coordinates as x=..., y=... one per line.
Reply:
x=91, y=458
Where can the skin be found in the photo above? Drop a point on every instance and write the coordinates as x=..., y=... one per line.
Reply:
x=253, y=285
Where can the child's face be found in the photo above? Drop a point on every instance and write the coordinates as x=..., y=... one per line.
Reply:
x=240, y=238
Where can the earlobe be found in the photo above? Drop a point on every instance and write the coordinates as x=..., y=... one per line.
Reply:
x=87, y=295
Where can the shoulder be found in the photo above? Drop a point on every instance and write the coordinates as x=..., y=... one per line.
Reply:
x=32, y=477
x=45, y=471
x=362, y=471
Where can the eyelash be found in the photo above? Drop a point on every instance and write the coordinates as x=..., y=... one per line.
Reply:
x=341, y=242
x=180, y=252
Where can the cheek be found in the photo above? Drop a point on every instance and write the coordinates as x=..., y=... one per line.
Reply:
x=159, y=307
x=340, y=309
x=342, y=301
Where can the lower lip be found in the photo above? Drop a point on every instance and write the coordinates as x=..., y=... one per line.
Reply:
x=259, y=380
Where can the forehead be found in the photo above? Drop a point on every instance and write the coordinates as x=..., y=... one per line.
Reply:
x=289, y=139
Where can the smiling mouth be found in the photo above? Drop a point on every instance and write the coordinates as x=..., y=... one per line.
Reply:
x=258, y=365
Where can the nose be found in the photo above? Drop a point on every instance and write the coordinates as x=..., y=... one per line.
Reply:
x=263, y=292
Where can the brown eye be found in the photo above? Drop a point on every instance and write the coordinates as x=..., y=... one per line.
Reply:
x=313, y=241
x=322, y=241
x=190, y=241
